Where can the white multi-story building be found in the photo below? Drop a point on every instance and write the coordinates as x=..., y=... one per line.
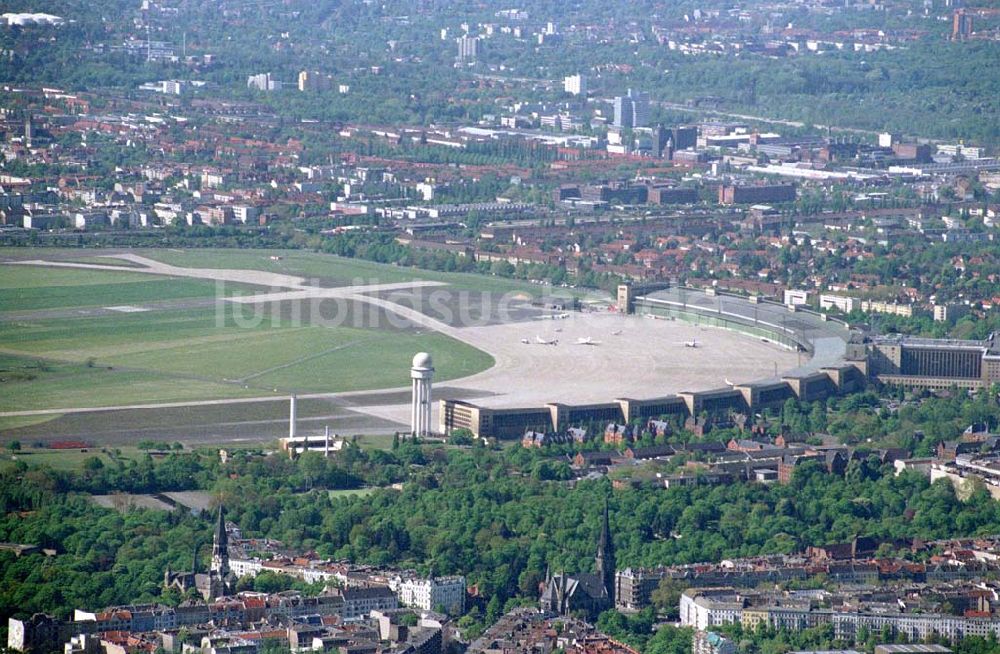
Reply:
x=432, y=594
x=703, y=609
x=245, y=213
x=246, y=567
x=706, y=608
x=360, y=602
x=468, y=47
x=575, y=84
x=796, y=297
x=263, y=82
x=839, y=302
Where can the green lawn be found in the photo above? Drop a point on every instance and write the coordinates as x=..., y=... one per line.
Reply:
x=378, y=362
x=69, y=460
x=17, y=422
x=339, y=269
x=351, y=492
x=79, y=339
x=26, y=288
x=175, y=355
x=61, y=384
x=21, y=276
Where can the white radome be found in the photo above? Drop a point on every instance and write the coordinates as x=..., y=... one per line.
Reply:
x=423, y=360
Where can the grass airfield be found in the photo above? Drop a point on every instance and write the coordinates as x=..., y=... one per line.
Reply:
x=74, y=337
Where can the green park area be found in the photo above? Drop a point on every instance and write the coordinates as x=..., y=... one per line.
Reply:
x=52, y=356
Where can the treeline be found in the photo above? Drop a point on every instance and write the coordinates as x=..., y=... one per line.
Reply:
x=25, y=486
x=478, y=512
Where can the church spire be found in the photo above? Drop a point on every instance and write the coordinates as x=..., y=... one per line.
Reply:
x=605, y=563
x=220, y=546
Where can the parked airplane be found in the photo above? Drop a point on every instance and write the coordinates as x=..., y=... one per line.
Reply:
x=617, y=332
x=586, y=340
x=542, y=341
x=525, y=341
x=692, y=343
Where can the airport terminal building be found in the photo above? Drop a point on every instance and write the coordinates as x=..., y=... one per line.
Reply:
x=836, y=366
x=839, y=362
x=935, y=363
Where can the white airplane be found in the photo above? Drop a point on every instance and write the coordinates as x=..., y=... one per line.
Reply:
x=525, y=341
x=542, y=341
x=587, y=340
x=728, y=383
x=617, y=332
x=693, y=343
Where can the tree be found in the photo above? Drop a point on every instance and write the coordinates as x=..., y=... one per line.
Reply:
x=667, y=596
x=14, y=446
x=461, y=436
x=92, y=464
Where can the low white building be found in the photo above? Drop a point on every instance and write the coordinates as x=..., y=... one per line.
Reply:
x=796, y=297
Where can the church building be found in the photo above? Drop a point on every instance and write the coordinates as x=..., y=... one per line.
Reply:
x=219, y=581
x=585, y=593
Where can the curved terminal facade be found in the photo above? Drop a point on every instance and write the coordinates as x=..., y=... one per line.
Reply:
x=833, y=362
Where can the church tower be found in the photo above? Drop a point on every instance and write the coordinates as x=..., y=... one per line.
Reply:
x=605, y=566
x=220, y=547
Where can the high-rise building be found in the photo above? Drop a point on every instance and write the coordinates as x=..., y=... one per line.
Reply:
x=684, y=137
x=623, y=112
x=468, y=47
x=263, y=82
x=640, y=108
x=632, y=109
x=961, y=25
x=311, y=80
x=575, y=84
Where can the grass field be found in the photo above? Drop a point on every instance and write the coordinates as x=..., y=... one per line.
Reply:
x=177, y=354
x=172, y=356
x=27, y=288
x=337, y=269
x=66, y=459
x=188, y=354
x=351, y=492
x=57, y=384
